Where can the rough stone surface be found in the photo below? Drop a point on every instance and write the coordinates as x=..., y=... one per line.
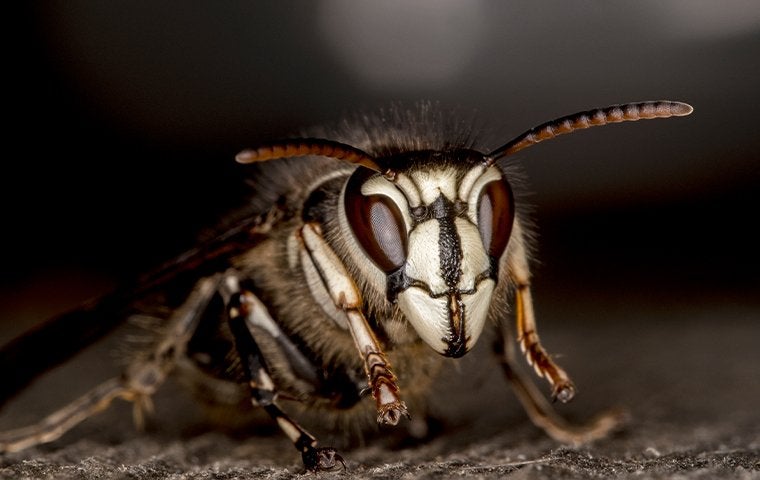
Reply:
x=687, y=373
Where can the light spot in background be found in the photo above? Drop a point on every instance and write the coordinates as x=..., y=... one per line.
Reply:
x=693, y=19
x=403, y=43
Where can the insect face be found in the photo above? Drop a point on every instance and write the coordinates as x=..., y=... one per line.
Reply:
x=433, y=236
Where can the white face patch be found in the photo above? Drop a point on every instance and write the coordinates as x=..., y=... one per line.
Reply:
x=488, y=176
x=429, y=316
x=475, y=260
x=410, y=190
x=468, y=181
x=476, y=307
x=423, y=262
x=381, y=186
x=436, y=182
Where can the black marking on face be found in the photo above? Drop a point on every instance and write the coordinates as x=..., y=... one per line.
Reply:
x=457, y=343
x=450, y=253
x=396, y=282
x=493, y=271
x=449, y=246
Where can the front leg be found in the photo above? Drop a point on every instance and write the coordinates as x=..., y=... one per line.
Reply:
x=347, y=298
x=527, y=335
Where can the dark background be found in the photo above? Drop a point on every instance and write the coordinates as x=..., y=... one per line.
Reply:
x=122, y=121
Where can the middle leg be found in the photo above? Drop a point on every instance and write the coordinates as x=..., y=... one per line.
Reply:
x=541, y=412
x=244, y=309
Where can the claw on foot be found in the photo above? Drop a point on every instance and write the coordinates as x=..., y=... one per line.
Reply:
x=390, y=414
x=325, y=459
x=564, y=392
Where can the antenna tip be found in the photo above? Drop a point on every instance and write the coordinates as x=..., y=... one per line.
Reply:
x=681, y=109
x=246, y=156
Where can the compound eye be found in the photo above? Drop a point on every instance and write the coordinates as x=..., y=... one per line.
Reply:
x=495, y=216
x=378, y=225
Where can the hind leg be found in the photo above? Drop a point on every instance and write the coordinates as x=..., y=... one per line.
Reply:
x=137, y=384
x=541, y=412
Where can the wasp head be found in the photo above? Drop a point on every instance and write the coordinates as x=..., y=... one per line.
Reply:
x=436, y=229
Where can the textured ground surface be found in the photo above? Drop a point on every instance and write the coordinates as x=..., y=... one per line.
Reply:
x=687, y=372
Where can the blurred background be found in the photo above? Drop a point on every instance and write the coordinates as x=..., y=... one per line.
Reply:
x=122, y=121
